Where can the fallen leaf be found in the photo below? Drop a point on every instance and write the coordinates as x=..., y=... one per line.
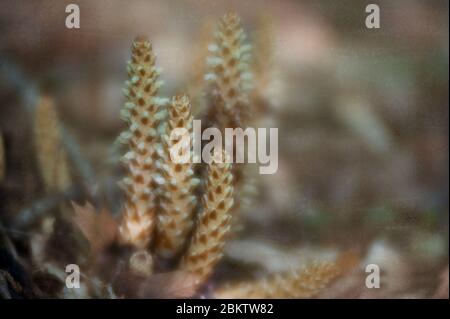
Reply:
x=100, y=229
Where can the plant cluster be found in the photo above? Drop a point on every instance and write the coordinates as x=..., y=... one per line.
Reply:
x=175, y=218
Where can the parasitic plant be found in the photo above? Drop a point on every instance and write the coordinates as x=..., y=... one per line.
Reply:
x=306, y=282
x=161, y=216
x=230, y=83
x=143, y=114
x=177, y=199
x=229, y=73
x=213, y=223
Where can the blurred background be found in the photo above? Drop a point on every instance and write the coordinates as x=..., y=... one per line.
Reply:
x=362, y=117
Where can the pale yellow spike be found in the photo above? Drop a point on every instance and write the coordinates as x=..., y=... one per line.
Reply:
x=175, y=219
x=229, y=73
x=143, y=114
x=213, y=223
x=306, y=282
x=51, y=155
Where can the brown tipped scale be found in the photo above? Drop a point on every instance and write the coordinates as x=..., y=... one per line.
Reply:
x=229, y=73
x=143, y=113
x=177, y=200
x=213, y=224
x=51, y=156
x=306, y=282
